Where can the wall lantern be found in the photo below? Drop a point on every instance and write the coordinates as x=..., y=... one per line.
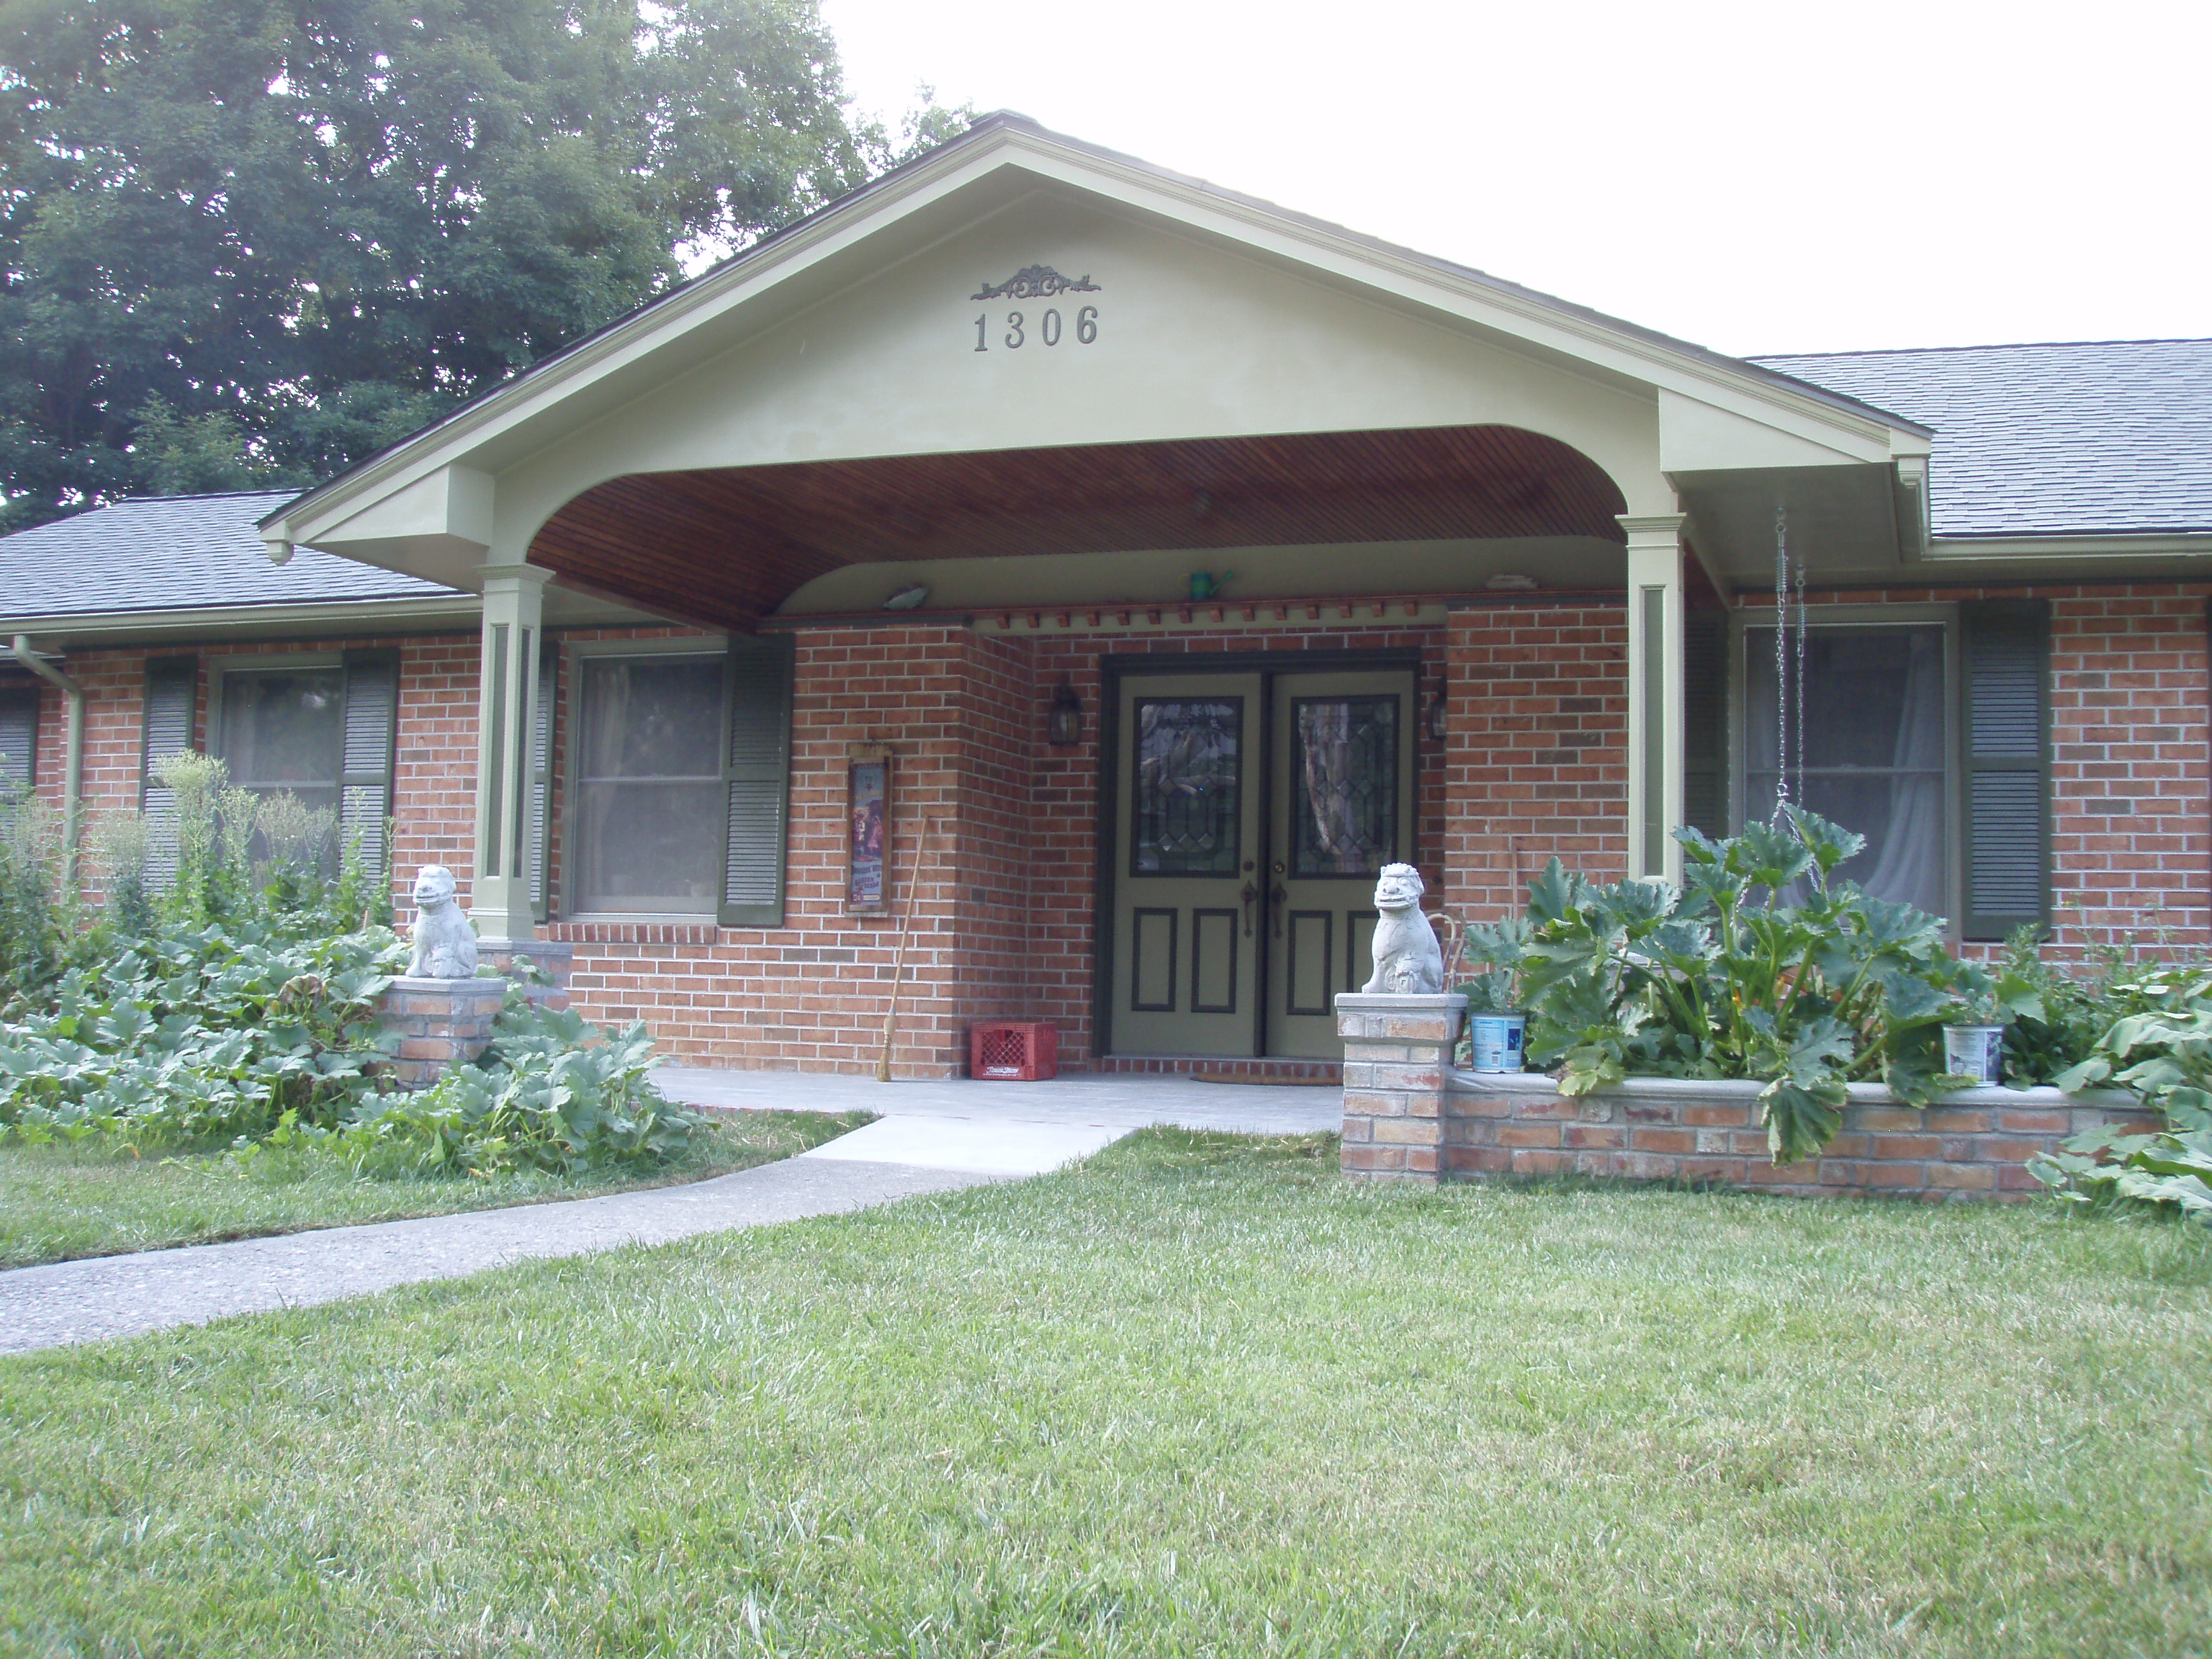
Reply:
x=1063, y=726
x=1436, y=716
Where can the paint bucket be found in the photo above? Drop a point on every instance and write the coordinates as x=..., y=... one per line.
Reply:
x=1494, y=1041
x=1973, y=1051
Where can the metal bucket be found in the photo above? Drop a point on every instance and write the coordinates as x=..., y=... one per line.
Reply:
x=1495, y=1041
x=1973, y=1051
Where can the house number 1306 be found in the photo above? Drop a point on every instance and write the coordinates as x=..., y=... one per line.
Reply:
x=1047, y=329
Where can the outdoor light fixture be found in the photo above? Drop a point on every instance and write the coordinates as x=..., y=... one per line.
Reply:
x=1063, y=726
x=1436, y=716
x=907, y=598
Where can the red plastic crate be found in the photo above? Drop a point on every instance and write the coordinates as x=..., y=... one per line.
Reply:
x=1013, y=1051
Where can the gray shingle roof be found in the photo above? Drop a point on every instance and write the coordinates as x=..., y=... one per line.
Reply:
x=177, y=553
x=2106, y=438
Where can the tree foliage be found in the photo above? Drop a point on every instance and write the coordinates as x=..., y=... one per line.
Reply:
x=248, y=242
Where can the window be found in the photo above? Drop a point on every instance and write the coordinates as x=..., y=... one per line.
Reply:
x=649, y=784
x=323, y=729
x=681, y=764
x=1873, y=751
x=1955, y=801
x=285, y=730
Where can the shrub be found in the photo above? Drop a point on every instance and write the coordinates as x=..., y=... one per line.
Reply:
x=1722, y=980
x=551, y=1092
x=2170, y=1171
x=201, y=1031
x=36, y=921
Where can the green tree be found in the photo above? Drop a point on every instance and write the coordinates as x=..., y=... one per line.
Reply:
x=248, y=242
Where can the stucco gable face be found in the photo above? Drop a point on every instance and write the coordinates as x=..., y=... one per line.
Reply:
x=1176, y=337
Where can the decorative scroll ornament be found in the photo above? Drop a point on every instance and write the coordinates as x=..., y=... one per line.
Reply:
x=1038, y=283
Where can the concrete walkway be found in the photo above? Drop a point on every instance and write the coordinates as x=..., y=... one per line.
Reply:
x=932, y=1137
x=1119, y=1103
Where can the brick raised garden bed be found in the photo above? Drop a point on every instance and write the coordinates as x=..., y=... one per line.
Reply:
x=1408, y=1116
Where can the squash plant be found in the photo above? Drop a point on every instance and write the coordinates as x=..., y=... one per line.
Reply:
x=1721, y=979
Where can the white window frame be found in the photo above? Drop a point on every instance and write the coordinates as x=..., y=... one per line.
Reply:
x=560, y=904
x=1744, y=619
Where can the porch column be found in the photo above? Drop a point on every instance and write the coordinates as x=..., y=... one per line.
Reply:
x=1654, y=694
x=513, y=605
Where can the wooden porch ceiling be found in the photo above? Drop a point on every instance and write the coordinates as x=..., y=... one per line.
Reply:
x=729, y=545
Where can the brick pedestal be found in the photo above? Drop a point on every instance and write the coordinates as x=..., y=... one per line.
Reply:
x=556, y=958
x=442, y=1023
x=1397, y=1054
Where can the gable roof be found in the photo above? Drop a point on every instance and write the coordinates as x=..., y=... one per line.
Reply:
x=162, y=553
x=1575, y=330
x=2089, y=438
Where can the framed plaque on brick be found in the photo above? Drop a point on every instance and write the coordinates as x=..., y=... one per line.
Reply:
x=868, y=827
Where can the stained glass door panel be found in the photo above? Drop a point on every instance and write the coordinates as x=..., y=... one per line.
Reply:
x=1185, y=966
x=1342, y=808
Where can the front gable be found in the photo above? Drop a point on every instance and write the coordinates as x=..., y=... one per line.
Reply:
x=1209, y=316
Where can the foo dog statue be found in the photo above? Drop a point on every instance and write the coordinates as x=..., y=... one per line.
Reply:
x=1408, y=961
x=445, y=943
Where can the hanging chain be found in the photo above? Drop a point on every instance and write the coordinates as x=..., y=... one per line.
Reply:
x=1781, y=663
x=1799, y=748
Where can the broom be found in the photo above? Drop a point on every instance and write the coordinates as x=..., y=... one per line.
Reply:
x=898, y=967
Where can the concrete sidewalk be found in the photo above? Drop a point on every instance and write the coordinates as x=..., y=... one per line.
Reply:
x=929, y=1138
x=1121, y=1102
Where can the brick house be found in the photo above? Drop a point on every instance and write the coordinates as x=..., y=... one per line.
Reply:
x=1176, y=560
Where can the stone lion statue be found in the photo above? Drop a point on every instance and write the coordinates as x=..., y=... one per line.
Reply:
x=445, y=943
x=1408, y=961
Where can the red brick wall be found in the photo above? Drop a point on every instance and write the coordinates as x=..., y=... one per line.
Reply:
x=1538, y=753
x=435, y=763
x=953, y=705
x=1064, y=792
x=1534, y=762
x=2131, y=776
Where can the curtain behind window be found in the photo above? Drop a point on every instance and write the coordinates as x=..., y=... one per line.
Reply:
x=649, y=784
x=1873, y=749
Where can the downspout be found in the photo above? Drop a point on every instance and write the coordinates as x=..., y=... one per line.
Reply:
x=73, y=767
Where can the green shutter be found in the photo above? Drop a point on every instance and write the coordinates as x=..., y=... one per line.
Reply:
x=19, y=740
x=172, y=693
x=2006, y=729
x=372, y=728
x=1704, y=721
x=757, y=772
x=536, y=854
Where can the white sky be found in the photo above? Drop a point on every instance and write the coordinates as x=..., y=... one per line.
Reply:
x=1755, y=177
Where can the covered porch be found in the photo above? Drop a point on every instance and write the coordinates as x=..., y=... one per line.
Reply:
x=1290, y=499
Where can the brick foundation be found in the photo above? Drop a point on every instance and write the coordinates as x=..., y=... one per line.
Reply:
x=440, y=1023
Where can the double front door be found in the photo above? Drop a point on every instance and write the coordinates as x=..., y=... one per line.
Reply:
x=1252, y=813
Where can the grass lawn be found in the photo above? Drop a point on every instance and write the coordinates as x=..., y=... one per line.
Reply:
x=1196, y=1397
x=59, y=1202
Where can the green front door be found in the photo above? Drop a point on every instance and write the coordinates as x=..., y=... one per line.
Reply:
x=1253, y=811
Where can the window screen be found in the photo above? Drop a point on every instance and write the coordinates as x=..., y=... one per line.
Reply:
x=650, y=793
x=1873, y=749
x=286, y=730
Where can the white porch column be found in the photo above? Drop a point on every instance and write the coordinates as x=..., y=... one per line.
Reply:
x=514, y=606
x=1655, y=693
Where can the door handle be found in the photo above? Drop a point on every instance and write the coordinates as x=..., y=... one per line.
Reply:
x=1275, y=902
x=1249, y=893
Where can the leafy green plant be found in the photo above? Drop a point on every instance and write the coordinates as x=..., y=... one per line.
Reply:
x=1721, y=981
x=1498, y=947
x=2170, y=1170
x=35, y=917
x=200, y=1031
x=550, y=1092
